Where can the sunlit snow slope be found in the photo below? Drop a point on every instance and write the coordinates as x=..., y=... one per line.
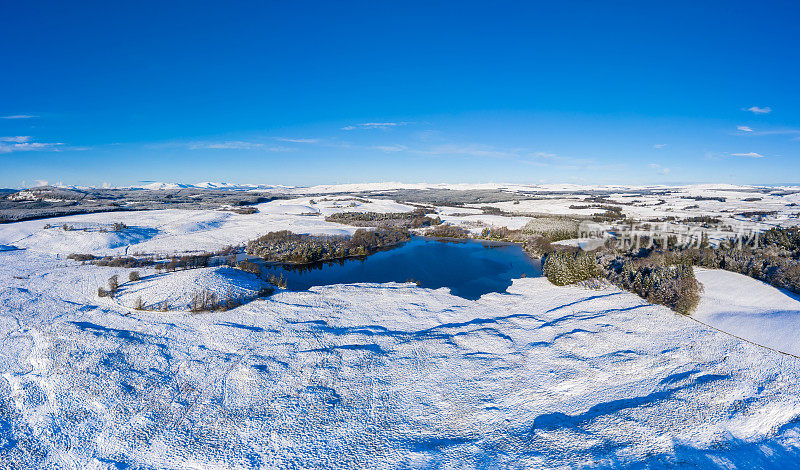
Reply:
x=372, y=375
x=378, y=375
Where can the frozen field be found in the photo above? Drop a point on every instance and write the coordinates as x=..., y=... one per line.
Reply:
x=376, y=375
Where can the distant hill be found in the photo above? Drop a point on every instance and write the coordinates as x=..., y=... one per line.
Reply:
x=55, y=201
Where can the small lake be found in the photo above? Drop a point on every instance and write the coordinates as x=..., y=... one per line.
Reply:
x=469, y=268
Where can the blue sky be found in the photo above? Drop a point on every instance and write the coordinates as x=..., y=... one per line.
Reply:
x=307, y=93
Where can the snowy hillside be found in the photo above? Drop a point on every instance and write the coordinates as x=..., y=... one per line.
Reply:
x=375, y=375
x=380, y=375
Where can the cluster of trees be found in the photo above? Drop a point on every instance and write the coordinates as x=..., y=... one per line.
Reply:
x=496, y=233
x=243, y=210
x=787, y=239
x=611, y=214
x=447, y=231
x=249, y=266
x=658, y=280
x=113, y=287
x=83, y=257
x=113, y=284
x=288, y=247
x=277, y=281
x=206, y=300
x=414, y=219
x=663, y=274
x=767, y=264
x=119, y=261
x=569, y=267
x=705, y=198
x=756, y=214
x=703, y=219
x=553, y=228
x=672, y=285
x=185, y=262
x=175, y=263
x=255, y=268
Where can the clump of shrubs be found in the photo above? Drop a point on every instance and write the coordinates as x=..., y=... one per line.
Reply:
x=246, y=210
x=134, y=276
x=569, y=267
x=81, y=257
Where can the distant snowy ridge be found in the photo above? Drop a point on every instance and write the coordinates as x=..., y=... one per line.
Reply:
x=396, y=185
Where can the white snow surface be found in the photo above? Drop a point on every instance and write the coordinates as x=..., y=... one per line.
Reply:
x=378, y=376
x=373, y=375
x=176, y=231
x=750, y=309
x=177, y=289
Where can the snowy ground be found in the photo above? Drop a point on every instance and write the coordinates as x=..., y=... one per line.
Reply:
x=171, y=231
x=373, y=375
x=750, y=309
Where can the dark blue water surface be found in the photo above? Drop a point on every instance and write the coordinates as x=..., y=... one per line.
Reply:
x=469, y=268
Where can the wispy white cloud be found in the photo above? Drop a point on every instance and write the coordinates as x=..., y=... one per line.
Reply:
x=41, y=182
x=748, y=155
x=374, y=125
x=661, y=169
x=759, y=110
x=545, y=155
x=23, y=143
x=750, y=131
x=237, y=145
x=18, y=139
x=297, y=141
x=19, y=116
x=659, y=146
x=470, y=150
x=522, y=155
x=389, y=148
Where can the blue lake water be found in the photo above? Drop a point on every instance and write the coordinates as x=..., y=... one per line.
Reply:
x=469, y=268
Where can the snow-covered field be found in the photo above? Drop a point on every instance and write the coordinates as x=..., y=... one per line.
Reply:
x=750, y=309
x=374, y=375
x=170, y=231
